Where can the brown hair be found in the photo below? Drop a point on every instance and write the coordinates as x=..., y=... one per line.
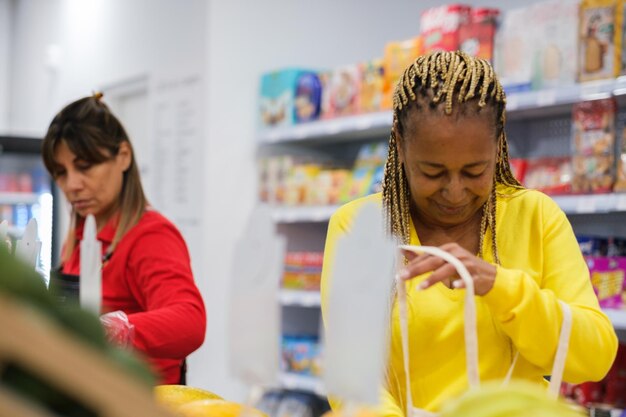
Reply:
x=452, y=80
x=94, y=134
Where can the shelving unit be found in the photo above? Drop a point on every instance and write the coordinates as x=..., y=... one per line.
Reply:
x=539, y=124
x=18, y=198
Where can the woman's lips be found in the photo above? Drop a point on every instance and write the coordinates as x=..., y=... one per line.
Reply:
x=81, y=204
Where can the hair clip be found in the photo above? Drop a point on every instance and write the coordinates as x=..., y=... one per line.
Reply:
x=97, y=95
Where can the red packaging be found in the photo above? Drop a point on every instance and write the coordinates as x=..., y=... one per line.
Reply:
x=549, y=175
x=440, y=26
x=588, y=392
x=518, y=167
x=477, y=37
x=615, y=387
x=593, y=127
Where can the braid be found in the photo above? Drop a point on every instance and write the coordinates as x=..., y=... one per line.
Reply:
x=436, y=78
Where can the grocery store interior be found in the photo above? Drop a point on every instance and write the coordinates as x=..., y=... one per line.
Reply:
x=192, y=81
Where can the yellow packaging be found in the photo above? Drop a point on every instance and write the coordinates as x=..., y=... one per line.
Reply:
x=372, y=80
x=398, y=56
x=600, y=39
x=620, y=44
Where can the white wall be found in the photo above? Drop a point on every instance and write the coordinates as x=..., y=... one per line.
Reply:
x=6, y=11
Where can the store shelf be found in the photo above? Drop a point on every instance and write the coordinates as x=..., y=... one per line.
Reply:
x=18, y=198
x=618, y=318
x=593, y=203
x=295, y=214
x=302, y=383
x=300, y=298
x=519, y=105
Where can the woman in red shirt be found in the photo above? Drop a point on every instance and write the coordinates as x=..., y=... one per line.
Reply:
x=149, y=298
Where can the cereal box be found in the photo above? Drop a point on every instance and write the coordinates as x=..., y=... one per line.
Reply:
x=514, y=46
x=398, y=56
x=596, y=49
x=593, y=127
x=440, y=27
x=477, y=37
x=345, y=87
x=278, y=93
x=372, y=80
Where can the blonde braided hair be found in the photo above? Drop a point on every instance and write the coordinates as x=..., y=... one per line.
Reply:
x=446, y=78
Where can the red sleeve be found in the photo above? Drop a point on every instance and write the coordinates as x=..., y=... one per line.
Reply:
x=173, y=322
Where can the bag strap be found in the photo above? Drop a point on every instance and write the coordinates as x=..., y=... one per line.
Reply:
x=471, y=338
x=561, y=351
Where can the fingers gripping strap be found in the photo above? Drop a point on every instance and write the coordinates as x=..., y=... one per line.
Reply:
x=471, y=339
x=561, y=351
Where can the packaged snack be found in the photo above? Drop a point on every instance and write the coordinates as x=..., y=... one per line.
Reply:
x=325, y=78
x=596, y=48
x=398, y=56
x=549, y=175
x=440, y=27
x=477, y=37
x=298, y=353
x=308, y=100
x=556, y=46
x=592, y=174
x=615, y=387
x=345, y=86
x=277, y=105
x=620, y=39
x=593, y=128
x=514, y=46
x=607, y=278
x=328, y=186
x=593, y=246
x=299, y=183
x=302, y=271
x=372, y=79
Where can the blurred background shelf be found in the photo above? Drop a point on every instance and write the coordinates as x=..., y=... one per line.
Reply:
x=300, y=298
x=18, y=198
x=618, y=318
x=295, y=214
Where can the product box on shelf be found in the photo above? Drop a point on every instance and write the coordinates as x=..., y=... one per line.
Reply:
x=398, y=56
x=556, y=43
x=592, y=174
x=440, y=26
x=607, y=278
x=477, y=37
x=345, y=87
x=367, y=173
x=514, y=46
x=299, y=183
x=279, y=91
x=372, y=79
x=328, y=185
x=302, y=271
x=620, y=174
x=598, y=25
x=300, y=354
x=518, y=167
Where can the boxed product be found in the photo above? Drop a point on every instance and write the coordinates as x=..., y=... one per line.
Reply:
x=328, y=185
x=440, y=27
x=556, y=45
x=607, y=278
x=477, y=37
x=278, y=92
x=302, y=271
x=325, y=77
x=345, y=87
x=620, y=175
x=308, y=101
x=514, y=46
x=298, y=352
x=593, y=245
x=549, y=175
x=300, y=182
x=372, y=79
x=398, y=56
x=598, y=21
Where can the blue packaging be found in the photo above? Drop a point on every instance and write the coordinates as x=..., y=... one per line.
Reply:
x=277, y=101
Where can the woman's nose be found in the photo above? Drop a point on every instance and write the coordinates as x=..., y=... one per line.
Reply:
x=74, y=181
x=454, y=191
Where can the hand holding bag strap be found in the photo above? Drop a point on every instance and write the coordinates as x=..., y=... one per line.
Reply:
x=471, y=339
x=561, y=351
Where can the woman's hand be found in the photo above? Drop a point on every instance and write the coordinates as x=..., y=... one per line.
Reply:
x=483, y=273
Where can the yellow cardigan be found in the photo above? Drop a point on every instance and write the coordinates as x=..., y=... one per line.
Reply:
x=541, y=261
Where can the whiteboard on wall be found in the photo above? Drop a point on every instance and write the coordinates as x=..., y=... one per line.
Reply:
x=163, y=118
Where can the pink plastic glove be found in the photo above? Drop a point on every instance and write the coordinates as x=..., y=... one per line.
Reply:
x=119, y=331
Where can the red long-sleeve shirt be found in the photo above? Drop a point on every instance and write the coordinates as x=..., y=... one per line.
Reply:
x=149, y=277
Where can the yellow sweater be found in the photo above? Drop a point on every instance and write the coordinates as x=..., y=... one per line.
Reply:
x=541, y=261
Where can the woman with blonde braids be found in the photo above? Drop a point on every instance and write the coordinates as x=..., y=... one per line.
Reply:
x=448, y=184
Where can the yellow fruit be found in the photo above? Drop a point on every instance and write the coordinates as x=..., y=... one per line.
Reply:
x=518, y=399
x=217, y=408
x=173, y=396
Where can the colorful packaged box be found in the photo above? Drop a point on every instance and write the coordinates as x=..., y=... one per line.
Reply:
x=328, y=185
x=620, y=174
x=607, y=278
x=592, y=174
x=345, y=87
x=308, y=101
x=477, y=37
x=277, y=102
x=556, y=43
x=593, y=245
x=398, y=56
x=302, y=271
x=598, y=20
x=514, y=46
x=440, y=27
x=372, y=80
